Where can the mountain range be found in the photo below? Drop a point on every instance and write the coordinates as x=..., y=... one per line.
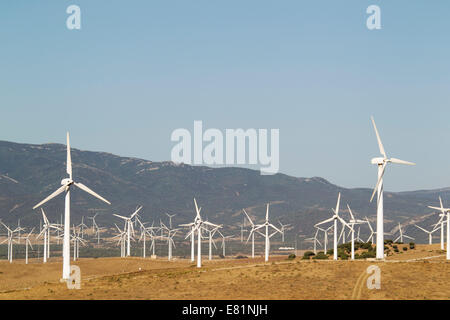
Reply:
x=29, y=173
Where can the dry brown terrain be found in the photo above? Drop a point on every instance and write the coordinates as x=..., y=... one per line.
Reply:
x=402, y=277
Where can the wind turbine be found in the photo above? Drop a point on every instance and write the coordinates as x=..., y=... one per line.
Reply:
x=372, y=232
x=315, y=240
x=82, y=226
x=266, y=235
x=442, y=216
x=445, y=212
x=170, y=219
x=283, y=228
x=94, y=224
x=170, y=234
x=252, y=233
x=325, y=237
x=381, y=162
x=122, y=234
x=76, y=240
x=46, y=232
x=129, y=228
x=10, y=241
x=335, y=219
x=352, y=223
x=430, y=233
x=401, y=236
x=197, y=226
x=211, y=233
x=223, y=242
x=27, y=243
x=66, y=184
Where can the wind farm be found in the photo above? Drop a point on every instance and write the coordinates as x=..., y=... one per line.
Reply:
x=175, y=245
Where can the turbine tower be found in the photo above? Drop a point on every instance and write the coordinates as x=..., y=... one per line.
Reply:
x=381, y=162
x=66, y=185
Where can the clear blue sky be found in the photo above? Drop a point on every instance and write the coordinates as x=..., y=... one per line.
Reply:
x=137, y=70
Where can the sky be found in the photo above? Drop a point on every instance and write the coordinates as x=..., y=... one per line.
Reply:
x=138, y=70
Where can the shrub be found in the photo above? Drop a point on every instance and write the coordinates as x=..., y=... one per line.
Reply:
x=412, y=245
x=241, y=257
x=330, y=251
x=291, y=256
x=405, y=248
x=320, y=256
x=367, y=246
x=342, y=255
x=308, y=254
x=368, y=254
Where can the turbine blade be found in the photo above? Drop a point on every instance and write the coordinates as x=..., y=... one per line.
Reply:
x=86, y=189
x=136, y=212
x=379, y=181
x=54, y=194
x=69, y=158
x=248, y=217
x=380, y=144
x=398, y=161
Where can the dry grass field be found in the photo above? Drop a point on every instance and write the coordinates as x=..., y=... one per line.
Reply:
x=422, y=273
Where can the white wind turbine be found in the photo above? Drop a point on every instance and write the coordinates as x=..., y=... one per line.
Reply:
x=252, y=233
x=46, y=232
x=211, y=232
x=82, y=226
x=67, y=183
x=122, y=235
x=170, y=234
x=170, y=219
x=243, y=230
x=143, y=236
x=129, y=228
x=94, y=224
x=402, y=235
x=442, y=216
x=325, y=237
x=372, y=232
x=335, y=219
x=76, y=239
x=382, y=162
x=315, y=240
x=197, y=226
x=223, y=242
x=27, y=243
x=352, y=224
x=283, y=228
x=445, y=212
x=430, y=233
x=10, y=241
x=266, y=225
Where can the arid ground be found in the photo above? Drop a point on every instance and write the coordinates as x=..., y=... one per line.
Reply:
x=422, y=273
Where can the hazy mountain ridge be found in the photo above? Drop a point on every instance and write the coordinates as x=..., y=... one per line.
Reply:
x=29, y=173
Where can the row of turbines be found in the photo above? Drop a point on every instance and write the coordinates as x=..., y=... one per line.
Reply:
x=381, y=162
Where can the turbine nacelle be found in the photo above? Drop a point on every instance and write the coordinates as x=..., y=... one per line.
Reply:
x=66, y=182
x=379, y=161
